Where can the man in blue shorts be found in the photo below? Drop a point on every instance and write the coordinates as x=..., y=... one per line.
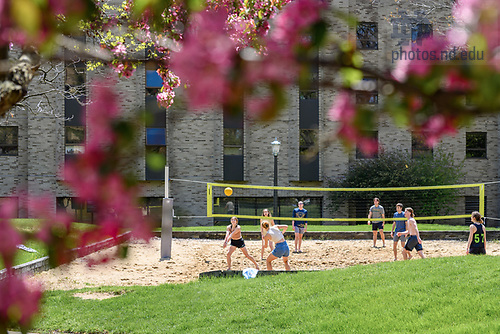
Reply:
x=398, y=226
x=377, y=211
x=299, y=227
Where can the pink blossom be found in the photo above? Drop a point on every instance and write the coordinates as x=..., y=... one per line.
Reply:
x=480, y=16
x=20, y=301
x=123, y=68
x=467, y=11
x=344, y=111
x=166, y=97
x=65, y=7
x=9, y=236
x=457, y=36
x=206, y=59
x=419, y=64
x=456, y=82
x=436, y=127
x=120, y=50
x=94, y=175
x=343, y=108
x=369, y=146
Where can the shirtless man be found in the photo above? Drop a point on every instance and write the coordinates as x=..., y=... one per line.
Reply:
x=233, y=234
x=413, y=240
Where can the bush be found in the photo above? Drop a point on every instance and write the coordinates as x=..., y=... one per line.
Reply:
x=398, y=169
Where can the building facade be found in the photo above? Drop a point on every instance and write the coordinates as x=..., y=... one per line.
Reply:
x=218, y=147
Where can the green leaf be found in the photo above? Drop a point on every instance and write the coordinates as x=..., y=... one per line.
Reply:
x=351, y=76
x=27, y=15
x=155, y=161
x=196, y=5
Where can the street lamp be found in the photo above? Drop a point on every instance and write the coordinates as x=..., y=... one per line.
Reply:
x=276, y=150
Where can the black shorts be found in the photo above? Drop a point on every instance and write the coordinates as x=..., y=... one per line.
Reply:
x=412, y=242
x=477, y=251
x=239, y=243
x=377, y=226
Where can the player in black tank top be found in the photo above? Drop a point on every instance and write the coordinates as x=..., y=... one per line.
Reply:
x=477, y=235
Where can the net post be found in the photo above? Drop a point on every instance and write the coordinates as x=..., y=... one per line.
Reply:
x=167, y=180
x=209, y=200
x=481, y=199
x=167, y=219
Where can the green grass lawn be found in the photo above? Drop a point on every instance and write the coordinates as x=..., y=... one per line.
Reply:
x=31, y=226
x=438, y=295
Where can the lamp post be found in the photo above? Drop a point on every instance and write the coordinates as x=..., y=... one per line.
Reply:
x=276, y=150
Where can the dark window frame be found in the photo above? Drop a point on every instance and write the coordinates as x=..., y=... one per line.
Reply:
x=359, y=152
x=364, y=93
x=421, y=31
x=9, y=147
x=367, y=36
x=418, y=147
x=476, y=152
x=73, y=146
x=233, y=163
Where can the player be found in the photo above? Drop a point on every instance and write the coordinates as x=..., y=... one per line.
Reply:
x=413, y=240
x=398, y=226
x=377, y=211
x=266, y=215
x=233, y=234
x=477, y=235
x=281, y=249
x=299, y=227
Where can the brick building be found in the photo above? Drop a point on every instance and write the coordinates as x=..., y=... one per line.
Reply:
x=214, y=147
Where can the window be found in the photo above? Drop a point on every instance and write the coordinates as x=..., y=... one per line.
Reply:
x=156, y=123
x=308, y=155
x=75, y=93
x=360, y=154
x=309, y=124
x=308, y=140
x=233, y=141
x=80, y=210
x=75, y=98
x=156, y=152
x=8, y=140
x=475, y=146
x=367, y=91
x=419, y=148
x=233, y=146
x=367, y=36
x=419, y=32
x=74, y=142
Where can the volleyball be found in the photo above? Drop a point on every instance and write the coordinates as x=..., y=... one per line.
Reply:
x=228, y=191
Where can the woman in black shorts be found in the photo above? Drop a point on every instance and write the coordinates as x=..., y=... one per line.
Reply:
x=233, y=234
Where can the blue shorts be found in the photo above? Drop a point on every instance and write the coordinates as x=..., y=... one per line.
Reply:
x=412, y=242
x=377, y=226
x=281, y=249
x=395, y=238
x=299, y=230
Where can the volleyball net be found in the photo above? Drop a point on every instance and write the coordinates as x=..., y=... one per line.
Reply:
x=444, y=204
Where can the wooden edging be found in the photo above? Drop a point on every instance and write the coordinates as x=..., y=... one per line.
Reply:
x=232, y=273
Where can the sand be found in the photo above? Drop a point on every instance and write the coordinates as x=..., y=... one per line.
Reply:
x=190, y=257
